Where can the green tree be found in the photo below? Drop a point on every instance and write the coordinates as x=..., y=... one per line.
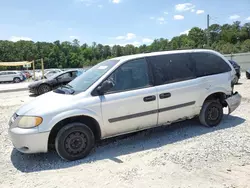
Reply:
x=198, y=36
x=116, y=51
x=227, y=38
x=246, y=46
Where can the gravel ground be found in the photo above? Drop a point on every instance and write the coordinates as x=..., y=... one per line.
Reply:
x=185, y=154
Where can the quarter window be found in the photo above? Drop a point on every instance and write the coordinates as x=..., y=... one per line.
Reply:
x=209, y=64
x=129, y=76
x=172, y=68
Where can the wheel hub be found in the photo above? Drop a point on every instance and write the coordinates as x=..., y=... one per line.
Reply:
x=45, y=89
x=213, y=113
x=75, y=143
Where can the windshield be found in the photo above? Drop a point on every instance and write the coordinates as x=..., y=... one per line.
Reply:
x=85, y=80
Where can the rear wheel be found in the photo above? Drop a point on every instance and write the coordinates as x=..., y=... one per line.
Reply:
x=211, y=113
x=16, y=80
x=74, y=141
x=44, y=88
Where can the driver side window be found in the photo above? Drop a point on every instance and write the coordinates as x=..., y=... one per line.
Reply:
x=65, y=76
x=129, y=76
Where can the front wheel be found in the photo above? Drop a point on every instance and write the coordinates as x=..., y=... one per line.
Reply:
x=74, y=141
x=211, y=113
x=44, y=88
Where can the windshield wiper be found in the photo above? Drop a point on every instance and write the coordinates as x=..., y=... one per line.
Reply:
x=67, y=86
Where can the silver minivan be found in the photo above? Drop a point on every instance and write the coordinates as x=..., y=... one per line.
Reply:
x=124, y=95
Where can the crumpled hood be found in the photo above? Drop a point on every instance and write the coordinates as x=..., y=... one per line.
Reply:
x=39, y=82
x=36, y=83
x=45, y=103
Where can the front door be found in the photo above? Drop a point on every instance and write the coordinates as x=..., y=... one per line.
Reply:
x=131, y=104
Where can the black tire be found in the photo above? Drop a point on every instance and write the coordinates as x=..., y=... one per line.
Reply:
x=16, y=80
x=44, y=88
x=236, y=80
x=248, y=75
x=211, y=113
x=36, y=92
x=74, y=141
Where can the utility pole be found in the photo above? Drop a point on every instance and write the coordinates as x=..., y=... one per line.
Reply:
x=34, y=72
x=42, y=68
x=208, y=32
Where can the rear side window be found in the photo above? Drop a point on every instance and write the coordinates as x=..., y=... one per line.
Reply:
x=172, y=68
x=209, y=64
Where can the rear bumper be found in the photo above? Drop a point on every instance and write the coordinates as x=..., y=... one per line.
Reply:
x=233, y=102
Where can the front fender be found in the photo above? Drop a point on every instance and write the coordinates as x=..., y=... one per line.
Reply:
x=67, y=114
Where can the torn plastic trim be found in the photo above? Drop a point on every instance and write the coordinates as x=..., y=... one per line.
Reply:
x=233, y=102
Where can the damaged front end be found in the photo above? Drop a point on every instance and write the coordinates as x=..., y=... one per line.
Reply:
x=233, y=102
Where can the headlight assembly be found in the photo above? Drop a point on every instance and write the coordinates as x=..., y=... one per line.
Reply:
x=28, y=121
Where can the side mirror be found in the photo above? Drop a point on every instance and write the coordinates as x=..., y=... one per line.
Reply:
x=106, y=86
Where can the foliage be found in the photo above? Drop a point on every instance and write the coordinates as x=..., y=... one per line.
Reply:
x=226, y=39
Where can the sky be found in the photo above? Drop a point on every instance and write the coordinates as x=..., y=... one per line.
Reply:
x=113, y=21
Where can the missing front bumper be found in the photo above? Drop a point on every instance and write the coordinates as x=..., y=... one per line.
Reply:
x=233, y=102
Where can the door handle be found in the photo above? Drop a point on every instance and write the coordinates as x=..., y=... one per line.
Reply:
x=165, y=95
x=149, y=98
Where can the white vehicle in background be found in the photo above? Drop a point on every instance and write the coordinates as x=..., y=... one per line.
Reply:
x=38, y=75
x=47, y=73
x=11, y=76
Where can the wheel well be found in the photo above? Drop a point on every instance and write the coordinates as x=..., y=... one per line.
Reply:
x=89, y=121
x=218, y=96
